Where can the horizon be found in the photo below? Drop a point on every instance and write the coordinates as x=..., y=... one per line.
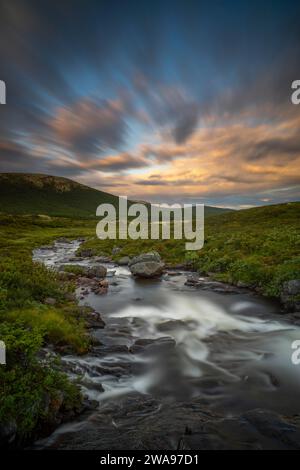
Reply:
x=152, y=101
x=147, y=201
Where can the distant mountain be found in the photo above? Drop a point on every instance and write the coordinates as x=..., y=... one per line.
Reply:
x=27, y=193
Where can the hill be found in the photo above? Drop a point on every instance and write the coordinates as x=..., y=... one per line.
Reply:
x=25, y=193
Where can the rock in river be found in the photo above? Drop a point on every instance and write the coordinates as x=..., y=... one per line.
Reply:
x=97, y=271
x=146, y=265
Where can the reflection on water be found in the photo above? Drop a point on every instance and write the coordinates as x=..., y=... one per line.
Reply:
x=175, y=343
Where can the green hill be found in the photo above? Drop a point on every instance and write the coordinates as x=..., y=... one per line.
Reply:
x=25, y=193
x=50, y=195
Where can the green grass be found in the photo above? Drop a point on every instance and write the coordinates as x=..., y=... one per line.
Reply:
x=259, y=247
x=30, y=391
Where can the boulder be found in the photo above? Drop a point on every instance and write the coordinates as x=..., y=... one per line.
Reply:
x=146, y=265
x=149, y=269
x=145, y=257
x=97, y=271
x=124, y=261
x=192, y=279
x=95, y=321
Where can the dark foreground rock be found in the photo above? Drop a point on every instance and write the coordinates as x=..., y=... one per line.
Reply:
x=146, y=265
x=145, y=424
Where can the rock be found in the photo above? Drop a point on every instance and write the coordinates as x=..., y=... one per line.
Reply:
x=192, y=279
x=90, y=385
x=86, y=281
x=8, y=432
x=97, y=271
x=149, y=269
x=124, y=261
x=86, y=253
x=101, y=291
x=115, y=250
x=140, y=345
x=272, y=426
x=172, y=325
x=147, y=265
x=103, y=283
x=290, y=295
x=103, y=259
x=145, y=257
x=94, y=320
x=50, y=301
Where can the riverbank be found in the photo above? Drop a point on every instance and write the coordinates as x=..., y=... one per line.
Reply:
x=30, y=320
x=178, y=365
x=258, y=248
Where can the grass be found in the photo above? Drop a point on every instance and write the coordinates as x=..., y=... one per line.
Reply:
x=30, y=391
x=259, y=247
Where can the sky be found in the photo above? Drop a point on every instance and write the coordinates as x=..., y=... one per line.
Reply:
x=165, y=101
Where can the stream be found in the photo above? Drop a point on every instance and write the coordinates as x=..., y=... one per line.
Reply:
x=179, y=367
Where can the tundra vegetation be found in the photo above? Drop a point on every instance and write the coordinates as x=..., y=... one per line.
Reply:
x=257, y=247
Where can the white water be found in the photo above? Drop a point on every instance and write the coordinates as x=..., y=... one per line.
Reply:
x=232, y=350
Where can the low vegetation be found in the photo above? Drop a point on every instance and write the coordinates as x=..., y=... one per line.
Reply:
x=33, y=391
x=257, y=247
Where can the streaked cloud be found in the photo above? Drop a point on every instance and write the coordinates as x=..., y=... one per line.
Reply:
x=180, y=101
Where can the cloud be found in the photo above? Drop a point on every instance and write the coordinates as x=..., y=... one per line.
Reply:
x=167, y=102
x=90, y=127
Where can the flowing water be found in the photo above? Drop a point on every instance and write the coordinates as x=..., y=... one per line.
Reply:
x=170, y=353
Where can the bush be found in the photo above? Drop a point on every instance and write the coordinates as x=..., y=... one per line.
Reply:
x=29, y=389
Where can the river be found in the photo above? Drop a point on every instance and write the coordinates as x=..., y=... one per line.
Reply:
x=175, y=360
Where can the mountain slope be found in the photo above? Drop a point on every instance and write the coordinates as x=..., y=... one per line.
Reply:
x=25, y=193
x=50, y=195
